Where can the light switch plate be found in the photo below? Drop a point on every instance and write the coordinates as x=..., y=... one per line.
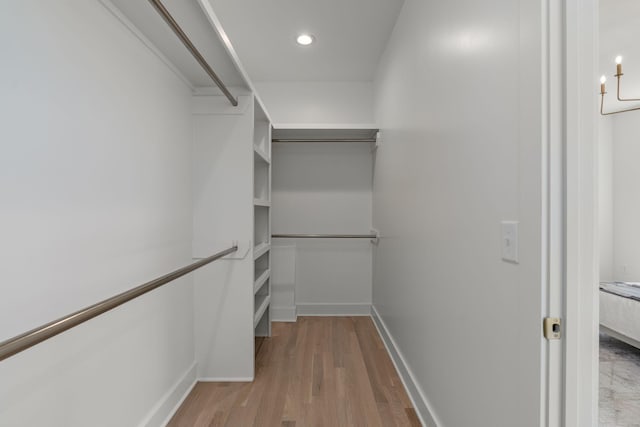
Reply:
x=510, y=241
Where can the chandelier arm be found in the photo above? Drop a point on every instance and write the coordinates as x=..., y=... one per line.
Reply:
x=613, y=112
x=619, y=76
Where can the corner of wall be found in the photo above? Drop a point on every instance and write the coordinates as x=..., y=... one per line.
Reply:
x=168, y=405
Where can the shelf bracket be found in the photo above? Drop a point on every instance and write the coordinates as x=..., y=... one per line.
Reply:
x=377, y=142
x=240, y=253
x=377, y=238
x=243, y=250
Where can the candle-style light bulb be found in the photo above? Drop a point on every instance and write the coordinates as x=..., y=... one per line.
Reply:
x=618, y=66
x=603, y=80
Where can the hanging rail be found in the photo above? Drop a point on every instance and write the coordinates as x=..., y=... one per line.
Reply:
x=324, y=236
x=157, y=4
x=324, y=140
x=35, y=336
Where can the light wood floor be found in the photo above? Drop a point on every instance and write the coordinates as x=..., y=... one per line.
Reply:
x=320, y=371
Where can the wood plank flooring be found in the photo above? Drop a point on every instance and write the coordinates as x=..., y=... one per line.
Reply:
x=319, y=371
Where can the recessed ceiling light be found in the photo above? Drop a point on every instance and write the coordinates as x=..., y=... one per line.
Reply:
x=305, y=39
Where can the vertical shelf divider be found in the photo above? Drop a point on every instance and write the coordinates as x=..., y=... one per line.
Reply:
x=261, y=221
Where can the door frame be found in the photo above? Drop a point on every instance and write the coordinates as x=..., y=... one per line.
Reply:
x=581, y=266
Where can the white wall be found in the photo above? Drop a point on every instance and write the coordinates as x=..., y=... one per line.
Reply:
x=223, y=213
x=462, y=152
x=605, y=197
x=626, y=197
x=324, y=188
x=95, y=188
x=318, y=102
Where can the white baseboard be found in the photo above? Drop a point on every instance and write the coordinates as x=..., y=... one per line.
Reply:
x=333, y=309
x=161, y=413
x=283, y=314
x=165, y=409
x=419, y=400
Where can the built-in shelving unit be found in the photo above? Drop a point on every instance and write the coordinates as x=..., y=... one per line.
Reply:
x=231, y=179
x=261, y=221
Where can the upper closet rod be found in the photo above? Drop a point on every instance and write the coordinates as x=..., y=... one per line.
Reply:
x=324, y=236
x=325, y=140
x=198, y=57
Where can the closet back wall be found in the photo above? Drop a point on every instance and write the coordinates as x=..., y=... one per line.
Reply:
x=325, y=188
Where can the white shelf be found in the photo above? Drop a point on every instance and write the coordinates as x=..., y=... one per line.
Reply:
x=262, y=278
x=262, y=303
x=260, y=250
x=260, y=155
x=324, y=135
x=262, y=202
x=143, y=21
x=325, y=126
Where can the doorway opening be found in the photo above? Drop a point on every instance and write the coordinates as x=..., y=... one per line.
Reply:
x=618, y=155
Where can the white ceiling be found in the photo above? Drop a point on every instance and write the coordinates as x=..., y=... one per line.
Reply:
x=350, y=37
x=619, y=35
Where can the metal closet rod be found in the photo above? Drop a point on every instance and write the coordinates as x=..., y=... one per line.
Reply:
x=157, y=4
x=35, y=336
x=324, y=236
x=325, y=140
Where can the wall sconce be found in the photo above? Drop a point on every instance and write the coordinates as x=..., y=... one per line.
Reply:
x=618, y=75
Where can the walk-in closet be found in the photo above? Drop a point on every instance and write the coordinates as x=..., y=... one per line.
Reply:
x=304, y=213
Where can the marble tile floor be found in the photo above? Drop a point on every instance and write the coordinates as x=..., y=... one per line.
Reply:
x=619, y=383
